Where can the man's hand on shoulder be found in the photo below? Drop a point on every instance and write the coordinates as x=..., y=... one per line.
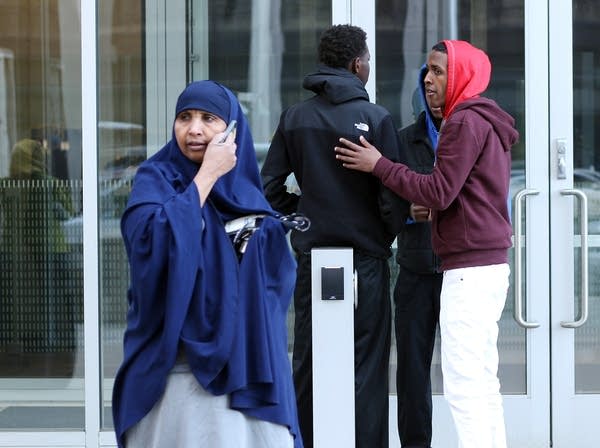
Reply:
x=357, y=157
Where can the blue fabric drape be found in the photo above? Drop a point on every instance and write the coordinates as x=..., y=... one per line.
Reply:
x=189, y=292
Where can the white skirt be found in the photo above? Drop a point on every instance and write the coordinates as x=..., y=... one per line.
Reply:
x=187, y=416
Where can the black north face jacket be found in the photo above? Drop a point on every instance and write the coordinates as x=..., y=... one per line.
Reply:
x=346, y=207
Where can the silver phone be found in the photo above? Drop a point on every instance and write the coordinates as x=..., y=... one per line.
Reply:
x=230, y=128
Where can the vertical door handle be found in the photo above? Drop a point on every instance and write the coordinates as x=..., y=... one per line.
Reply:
x=583, y=227
x=518, y=259
x=355, y=284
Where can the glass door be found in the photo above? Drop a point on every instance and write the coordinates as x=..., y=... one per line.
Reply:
x=41, y=253
x=528, y=411
x=551, y=324
x=546, y=74
x=550, y=372
x=261, y=50
x=514, y=34
x=574, y=222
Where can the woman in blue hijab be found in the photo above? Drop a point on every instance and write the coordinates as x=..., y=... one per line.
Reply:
x=205, y=349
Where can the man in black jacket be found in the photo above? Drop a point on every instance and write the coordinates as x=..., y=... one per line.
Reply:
x=418, y=286
x=346, y=209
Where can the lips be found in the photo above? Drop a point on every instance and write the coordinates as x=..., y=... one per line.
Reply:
x=196, y=146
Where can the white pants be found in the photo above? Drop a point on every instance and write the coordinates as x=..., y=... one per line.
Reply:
x=471, y=305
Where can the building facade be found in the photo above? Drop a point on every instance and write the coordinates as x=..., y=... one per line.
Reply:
x=87, y=91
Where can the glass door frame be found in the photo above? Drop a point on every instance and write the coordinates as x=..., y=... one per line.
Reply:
x=527, y=415
x=91, y=273
x=573, y=414
x=362, y=14
x=548, y=60
x=530, y=417
x=550, y=413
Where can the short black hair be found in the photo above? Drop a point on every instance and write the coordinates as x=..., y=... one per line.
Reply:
x=441, y=47
x=340, y=44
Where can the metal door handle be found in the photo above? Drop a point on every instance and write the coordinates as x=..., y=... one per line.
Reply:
x=518, y=259
x=583, y=226
x=355, y=283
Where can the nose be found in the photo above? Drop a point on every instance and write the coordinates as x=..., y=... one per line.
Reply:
x=427, y=78
x=196, y=126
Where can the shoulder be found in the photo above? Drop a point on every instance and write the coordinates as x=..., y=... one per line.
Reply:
x=415, y=130
x=470, y=124
x=407, y=133
x=409, y=130
x=378, y=117
x=155, y=166
x=468, y=116
x=362, y=106
x=297, y=111
x=375, y=110
x=479, y=109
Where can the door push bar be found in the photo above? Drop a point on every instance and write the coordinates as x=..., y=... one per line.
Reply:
x=583, y=230
x=583, y=223
x=518, y=259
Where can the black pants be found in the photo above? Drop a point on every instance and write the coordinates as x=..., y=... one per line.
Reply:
x=372, y=331
x=417, y=309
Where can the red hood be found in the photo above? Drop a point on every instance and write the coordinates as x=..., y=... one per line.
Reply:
x=469, y=72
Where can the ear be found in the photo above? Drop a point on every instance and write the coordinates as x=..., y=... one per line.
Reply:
x=354, y=65
x=350, y=67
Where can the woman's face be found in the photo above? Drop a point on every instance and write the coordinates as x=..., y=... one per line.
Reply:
x=194, y=129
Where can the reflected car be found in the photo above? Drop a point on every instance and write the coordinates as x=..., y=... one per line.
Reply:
x=588, y=181
x=584, y=179
x=114, y=186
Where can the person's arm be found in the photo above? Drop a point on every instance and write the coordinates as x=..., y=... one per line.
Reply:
x=274, y=173
x=436, y=190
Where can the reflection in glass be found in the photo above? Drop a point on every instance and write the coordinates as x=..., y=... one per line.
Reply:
x=121, y=148
x=41, y=291
x=406, y=31
x=260, y=49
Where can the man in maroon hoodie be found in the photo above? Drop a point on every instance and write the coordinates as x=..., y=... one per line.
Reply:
x=471, y=230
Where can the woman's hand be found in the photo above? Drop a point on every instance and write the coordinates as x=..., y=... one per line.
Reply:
x=357, y=157
x=219, y=159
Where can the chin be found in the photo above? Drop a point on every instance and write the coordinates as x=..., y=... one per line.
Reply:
x=194, y=156
x=198, y=158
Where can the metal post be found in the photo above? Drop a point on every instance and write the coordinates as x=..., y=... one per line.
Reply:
x=333, y=301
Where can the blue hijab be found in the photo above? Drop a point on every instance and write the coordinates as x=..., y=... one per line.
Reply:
x=189, y=293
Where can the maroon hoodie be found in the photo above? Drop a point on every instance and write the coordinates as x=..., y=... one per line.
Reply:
x=468, y=187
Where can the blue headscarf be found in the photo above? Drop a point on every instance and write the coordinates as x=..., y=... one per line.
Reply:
x=190, y=293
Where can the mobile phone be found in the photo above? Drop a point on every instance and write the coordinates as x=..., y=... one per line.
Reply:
x=230, y=128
